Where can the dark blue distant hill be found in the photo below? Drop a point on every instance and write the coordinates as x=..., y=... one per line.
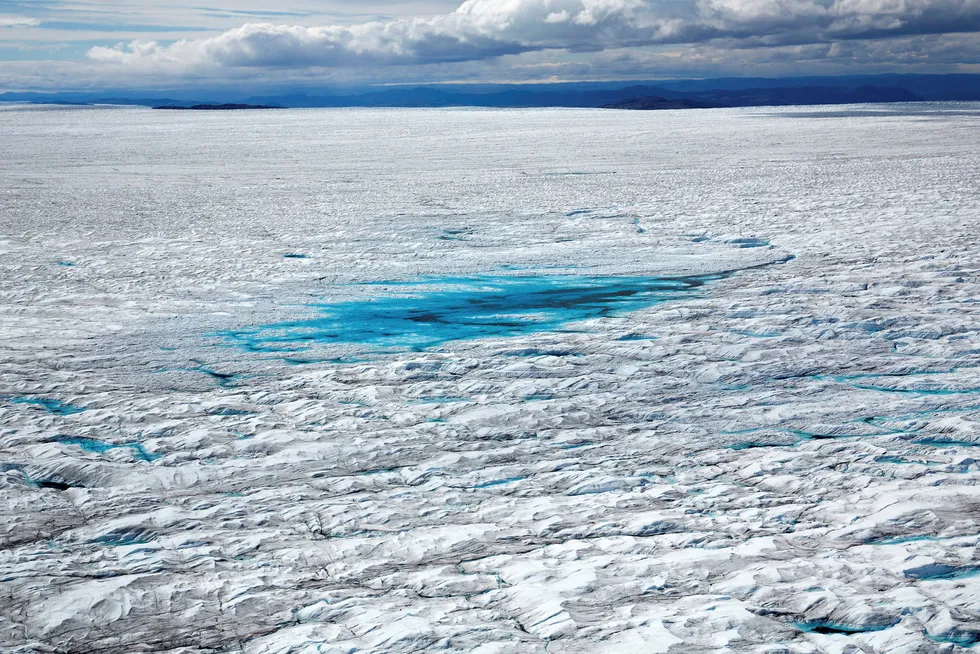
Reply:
x=651, y=103
x=804, y=95
x=227, y=106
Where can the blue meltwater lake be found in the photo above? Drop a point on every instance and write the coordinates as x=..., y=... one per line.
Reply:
x=430, y=311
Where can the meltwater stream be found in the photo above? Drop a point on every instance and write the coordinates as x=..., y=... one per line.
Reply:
x=430, y=311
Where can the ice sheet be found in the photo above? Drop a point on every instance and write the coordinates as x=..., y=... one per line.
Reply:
x=780, y=459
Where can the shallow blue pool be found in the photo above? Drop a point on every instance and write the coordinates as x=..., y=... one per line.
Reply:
x=102, y=447
x=423, y=313
x=48, y=404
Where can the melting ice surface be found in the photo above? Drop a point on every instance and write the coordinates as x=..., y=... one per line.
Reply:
x=423, y=313
x=101, y=447
x=48, y=404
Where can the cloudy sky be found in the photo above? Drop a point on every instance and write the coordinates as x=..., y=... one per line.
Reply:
x=80, y=44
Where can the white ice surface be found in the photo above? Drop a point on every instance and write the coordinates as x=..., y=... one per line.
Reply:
x=796, y=446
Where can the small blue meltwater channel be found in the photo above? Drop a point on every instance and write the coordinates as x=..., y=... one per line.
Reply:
x=430, y=311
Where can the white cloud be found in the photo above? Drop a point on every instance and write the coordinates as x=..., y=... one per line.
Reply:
x=486, y=29
x=18, y=21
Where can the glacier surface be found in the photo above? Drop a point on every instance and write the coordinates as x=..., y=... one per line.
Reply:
x=490, y=381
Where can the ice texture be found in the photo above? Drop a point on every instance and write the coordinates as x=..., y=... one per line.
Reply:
x=781, y=457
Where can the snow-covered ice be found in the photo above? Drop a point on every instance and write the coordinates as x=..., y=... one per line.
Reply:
x=490, y=381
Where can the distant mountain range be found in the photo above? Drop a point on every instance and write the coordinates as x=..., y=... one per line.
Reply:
x=664, y=94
